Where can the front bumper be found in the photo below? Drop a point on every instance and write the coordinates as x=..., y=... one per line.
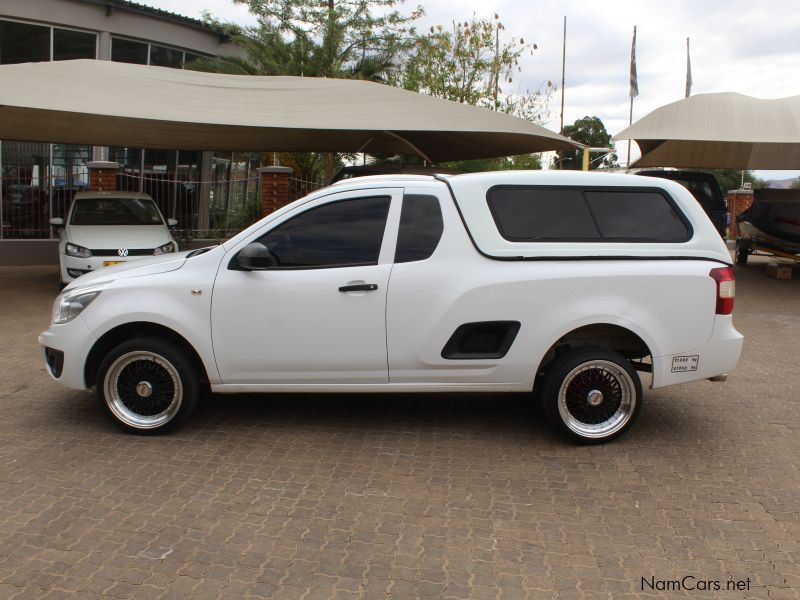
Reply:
x=73, y=341
x=716, y=357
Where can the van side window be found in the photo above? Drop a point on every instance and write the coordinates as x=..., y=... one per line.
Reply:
x=420, y=228
x=345, y=233
x=533, y=213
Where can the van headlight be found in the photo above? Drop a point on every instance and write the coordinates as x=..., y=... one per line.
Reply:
x=70, y=303
x=165, y=249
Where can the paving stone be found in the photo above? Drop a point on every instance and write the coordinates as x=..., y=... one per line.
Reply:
x=438, y=496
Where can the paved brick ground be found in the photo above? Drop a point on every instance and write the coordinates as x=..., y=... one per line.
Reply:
x=401, y=497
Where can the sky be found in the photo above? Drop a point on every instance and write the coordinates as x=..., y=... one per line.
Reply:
x=736, y=46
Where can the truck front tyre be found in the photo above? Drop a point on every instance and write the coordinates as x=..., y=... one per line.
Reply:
x=147, y=385
x=591, y=394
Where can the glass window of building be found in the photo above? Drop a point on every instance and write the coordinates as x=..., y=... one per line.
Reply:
x=22, y=42
x=166, y=57
x=128, y=51
x=190, y=58
x=69, y=44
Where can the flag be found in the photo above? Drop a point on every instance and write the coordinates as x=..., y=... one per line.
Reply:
x=634, y=80
x=688, y=71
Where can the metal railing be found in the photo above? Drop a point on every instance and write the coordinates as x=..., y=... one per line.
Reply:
x=303, y=187
x=216, y=209
x=28, y=200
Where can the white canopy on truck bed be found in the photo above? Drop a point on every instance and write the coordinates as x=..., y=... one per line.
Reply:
x=470, y=192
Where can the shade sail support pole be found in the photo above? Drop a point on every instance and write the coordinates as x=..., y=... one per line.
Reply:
x=410, y=145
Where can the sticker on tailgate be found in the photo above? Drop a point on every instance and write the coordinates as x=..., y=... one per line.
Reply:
x=681, y=364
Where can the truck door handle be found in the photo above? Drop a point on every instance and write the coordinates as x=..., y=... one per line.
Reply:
x=360, y=287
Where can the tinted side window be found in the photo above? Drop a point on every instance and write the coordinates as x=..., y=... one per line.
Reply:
x=420, y=228
x=636, y=216
x=564, y=214
x=339, y=234
x=526, y=214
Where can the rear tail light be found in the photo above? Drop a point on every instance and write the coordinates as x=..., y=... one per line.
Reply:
x=726, y=289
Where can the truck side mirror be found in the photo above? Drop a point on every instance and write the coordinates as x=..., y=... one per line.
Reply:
x=57, y=222
x=256, y=257
x=172, y=222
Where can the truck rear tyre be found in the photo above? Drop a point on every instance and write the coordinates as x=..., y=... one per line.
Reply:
x=147, y=385
x=592, y=395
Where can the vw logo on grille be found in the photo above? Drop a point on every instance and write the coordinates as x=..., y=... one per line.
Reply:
x=122, y=252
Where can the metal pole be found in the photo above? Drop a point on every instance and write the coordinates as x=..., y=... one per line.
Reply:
x=141, y=171
x=496, y=63
x=174, y=207
x=563, y=79
x=229, y=192
x=630, y=122
x=563, y=69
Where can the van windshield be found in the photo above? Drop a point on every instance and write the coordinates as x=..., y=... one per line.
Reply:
x=115, y=211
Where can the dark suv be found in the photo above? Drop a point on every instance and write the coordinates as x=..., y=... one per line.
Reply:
x=705, y=188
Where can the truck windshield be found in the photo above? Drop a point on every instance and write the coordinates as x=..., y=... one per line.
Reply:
x=115, y=211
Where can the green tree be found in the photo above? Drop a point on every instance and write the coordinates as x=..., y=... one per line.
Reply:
x=731, y=179
x=267, y=52
x=592, y=132
x=355, y=39
x=472, y=62
x=504, y=163
x=340, y=38
x=469, y=63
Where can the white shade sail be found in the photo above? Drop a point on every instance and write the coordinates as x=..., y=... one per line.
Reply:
x=116, y=104
x=724, y=130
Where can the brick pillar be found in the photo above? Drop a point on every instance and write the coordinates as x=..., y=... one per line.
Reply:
x=274, y=188
x=738, y=202
x=103, y=176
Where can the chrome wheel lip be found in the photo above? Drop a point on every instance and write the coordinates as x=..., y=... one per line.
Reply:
x=618, y=420
x=125, y=414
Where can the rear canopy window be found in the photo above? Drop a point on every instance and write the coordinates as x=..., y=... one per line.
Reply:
x=115, y=211
x=525, y=214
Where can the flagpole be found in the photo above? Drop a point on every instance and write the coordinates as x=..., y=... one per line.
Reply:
x=563, y=79
x=630, y=122
x=634, y=91
x=688, y=71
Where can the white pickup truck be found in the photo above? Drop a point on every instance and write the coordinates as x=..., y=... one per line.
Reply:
x=562, y=284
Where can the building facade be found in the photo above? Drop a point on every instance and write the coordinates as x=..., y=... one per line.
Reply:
x=207, y=192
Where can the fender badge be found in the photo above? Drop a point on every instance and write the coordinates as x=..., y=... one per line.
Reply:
x=197, y=292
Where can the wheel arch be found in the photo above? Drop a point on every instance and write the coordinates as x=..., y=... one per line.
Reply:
x=612, y=336
x=137, y=329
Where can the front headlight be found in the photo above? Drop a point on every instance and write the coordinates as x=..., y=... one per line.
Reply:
x=165, y=249
x=70, y=304
x=79, y=251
